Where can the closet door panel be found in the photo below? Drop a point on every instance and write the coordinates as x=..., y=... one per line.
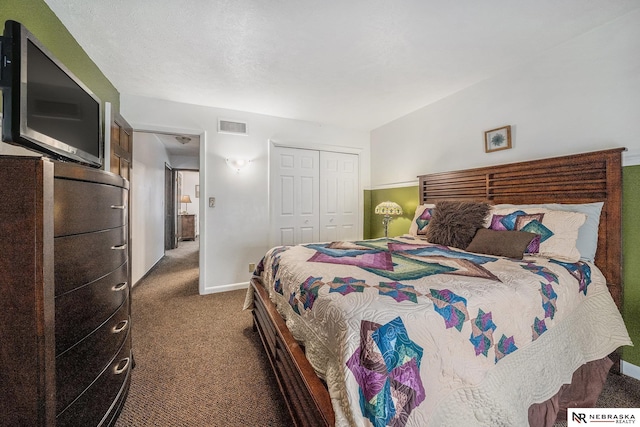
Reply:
x=287, y=200
x=287, y=236
x=294, y=191
x=339, y=201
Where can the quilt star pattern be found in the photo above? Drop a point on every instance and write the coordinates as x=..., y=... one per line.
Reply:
x=403, y=261
x=386, y=366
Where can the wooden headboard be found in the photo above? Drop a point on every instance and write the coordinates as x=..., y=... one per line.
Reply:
x=579, y=178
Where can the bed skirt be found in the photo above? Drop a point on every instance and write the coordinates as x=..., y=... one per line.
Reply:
x=583, y=392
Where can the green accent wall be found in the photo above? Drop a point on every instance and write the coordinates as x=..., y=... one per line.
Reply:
x=631, y=259
x=408, y=197
x=45, y=25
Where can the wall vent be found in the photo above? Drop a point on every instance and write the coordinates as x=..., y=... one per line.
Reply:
x=233, y=127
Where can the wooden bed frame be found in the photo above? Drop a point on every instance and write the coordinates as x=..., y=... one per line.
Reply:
x=580, y=178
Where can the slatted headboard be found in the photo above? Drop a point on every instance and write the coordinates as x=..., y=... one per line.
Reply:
x=580, y=178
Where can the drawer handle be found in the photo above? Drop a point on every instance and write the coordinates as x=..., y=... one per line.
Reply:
x=119, y=287
x=121, y=366
x=122, y=207
x=121, y=326
x=121, y=247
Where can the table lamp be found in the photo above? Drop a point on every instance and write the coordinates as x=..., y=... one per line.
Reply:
x=185, y=199
x=388, y=209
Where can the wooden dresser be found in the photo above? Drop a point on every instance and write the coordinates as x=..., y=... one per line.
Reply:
x=187, y=227
x=65, y=343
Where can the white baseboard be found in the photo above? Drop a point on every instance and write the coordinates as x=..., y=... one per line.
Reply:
x=225, y=288
x=630, y=370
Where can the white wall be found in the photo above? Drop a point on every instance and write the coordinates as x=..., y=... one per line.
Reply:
x=14, y=150
x=235, y=232
x=583, y=95
x=147, y=204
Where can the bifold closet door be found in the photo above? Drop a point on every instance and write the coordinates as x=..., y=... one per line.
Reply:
x=294, y=196
x=339, y=201
x=314, y=196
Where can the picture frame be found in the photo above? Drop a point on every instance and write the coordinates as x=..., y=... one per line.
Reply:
x=197, y=191
x=497, y=139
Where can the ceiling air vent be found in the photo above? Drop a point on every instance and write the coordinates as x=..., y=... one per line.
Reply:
x=233, y=127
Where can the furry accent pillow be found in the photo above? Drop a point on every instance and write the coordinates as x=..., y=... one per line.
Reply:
x=454, y=223
x=511, y=244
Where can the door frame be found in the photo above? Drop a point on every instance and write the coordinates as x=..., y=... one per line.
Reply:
x=202, y=211
x=170, y=213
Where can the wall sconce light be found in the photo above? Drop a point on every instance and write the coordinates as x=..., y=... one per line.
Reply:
x=388, y=209
x=237, y=164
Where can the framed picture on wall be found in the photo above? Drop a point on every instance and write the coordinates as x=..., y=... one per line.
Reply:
x=497, y=139
x=197, y=191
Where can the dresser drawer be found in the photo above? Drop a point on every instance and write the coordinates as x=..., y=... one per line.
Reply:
x=97, y=402
x=77, y=368
x=81, y=311
x=83, y=258
x=82, y=207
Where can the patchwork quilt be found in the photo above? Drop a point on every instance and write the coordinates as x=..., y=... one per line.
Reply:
x=407, y=333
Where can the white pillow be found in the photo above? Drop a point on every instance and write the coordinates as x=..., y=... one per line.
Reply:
x=587, y=242
x=558, y=229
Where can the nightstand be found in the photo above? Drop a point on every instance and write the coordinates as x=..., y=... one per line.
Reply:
x=187, y=226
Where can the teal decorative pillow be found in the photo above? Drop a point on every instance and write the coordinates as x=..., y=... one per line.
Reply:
x=587, y=242
x=421, y=220
x=557, y=230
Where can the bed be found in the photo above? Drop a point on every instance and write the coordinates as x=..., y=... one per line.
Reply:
x=408, y=331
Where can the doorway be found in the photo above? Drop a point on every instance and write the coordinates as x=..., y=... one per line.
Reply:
x=158, y=158
x=188, y=195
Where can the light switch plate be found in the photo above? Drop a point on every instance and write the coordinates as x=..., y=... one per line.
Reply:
x=212, y=202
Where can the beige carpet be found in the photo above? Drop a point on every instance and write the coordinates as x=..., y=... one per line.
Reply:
x=199, y=363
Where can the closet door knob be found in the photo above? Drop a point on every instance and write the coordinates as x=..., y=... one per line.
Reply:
x=121, y=247
x=122, y=207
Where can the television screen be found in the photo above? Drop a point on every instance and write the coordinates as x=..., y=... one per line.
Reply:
x=45, y=107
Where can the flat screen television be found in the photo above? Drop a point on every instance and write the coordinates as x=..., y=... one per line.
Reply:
x=45, y=107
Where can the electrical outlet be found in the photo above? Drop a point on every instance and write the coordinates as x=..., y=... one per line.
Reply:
x=252, y=267
x=212, y=202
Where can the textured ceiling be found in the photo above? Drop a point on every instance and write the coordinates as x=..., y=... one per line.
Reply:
x=352, y=63
x=190, y=147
